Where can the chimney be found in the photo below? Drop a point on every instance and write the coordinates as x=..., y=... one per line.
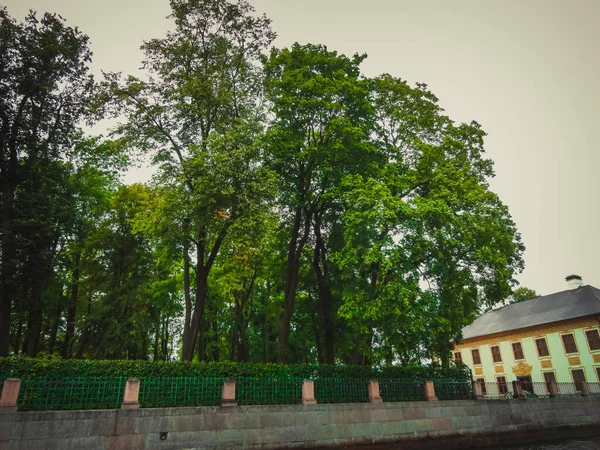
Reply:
x=574, y=282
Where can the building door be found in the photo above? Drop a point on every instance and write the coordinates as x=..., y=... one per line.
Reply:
x=481, y=381
x=578, y=378
x=526, y=384
x=549, y=378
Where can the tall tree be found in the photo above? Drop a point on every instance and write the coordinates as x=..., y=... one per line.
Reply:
x=320, y=107
x=427, y=218
x=44, y=87
x=196, y=114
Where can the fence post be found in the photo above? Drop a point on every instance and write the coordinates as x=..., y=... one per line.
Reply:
x=10, y=395
x=517, y=390
x=228, y=397
x=553, y=389
x=430, y=391
x=478, y=390
x=585, y=389
x=374, y=396
x=308, y=392
x=132, y=393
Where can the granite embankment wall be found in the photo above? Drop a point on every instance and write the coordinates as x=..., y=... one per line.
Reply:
x=442, y=423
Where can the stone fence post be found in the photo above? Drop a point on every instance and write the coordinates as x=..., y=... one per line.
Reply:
x=517, y=389
x=132, y=393
x=308, y=392
x=478, y=390
x=228, y=396
x=430, y=391
x=374, y=396
x=10, y=395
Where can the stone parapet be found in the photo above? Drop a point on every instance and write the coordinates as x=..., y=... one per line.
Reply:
x=437, y=424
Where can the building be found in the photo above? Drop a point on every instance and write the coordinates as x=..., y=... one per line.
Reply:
x=550, y=338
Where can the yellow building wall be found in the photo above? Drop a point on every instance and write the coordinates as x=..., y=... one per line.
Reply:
x=558, y=361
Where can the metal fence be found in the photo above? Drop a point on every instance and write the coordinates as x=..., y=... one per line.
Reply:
x=268, y=391
x=341, y=390
x=497, y=391
x=394, y=390
x=536, y=389
x=42, y=394
x=568, y=390
x=453, y=390
x=594, y=388
x=162, y=392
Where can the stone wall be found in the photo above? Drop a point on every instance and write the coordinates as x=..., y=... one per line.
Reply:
x=270, y=427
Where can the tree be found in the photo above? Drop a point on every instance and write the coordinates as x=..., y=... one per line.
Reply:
x=44, y=92
x=320, y=108
x=427, y=218
x=197, y=113
x=523, y=293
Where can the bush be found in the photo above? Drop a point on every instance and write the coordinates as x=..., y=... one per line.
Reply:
x=21, y=367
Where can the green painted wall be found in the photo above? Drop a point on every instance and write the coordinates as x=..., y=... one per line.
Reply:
x=558, y=358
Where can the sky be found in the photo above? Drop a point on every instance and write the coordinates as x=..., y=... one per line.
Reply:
x=526, y=70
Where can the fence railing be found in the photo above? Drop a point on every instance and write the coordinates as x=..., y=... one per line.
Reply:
x=594, y=389
x=394, y=390
x=163, y=392
x=341, y=390
x=536, y=389
x=41, y=394
x=453, y=390
x=269, y=391
x=497, y=391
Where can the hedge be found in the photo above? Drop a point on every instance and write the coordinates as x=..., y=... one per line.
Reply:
x=21, y=367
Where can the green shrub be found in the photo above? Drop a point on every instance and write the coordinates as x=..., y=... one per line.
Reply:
x=21, y=367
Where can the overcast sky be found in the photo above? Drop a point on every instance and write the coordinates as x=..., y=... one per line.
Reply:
x=527, y=70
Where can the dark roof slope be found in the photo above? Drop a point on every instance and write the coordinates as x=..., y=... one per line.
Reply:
x=563, y=305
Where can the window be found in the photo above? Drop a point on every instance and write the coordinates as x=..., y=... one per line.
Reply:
x=502, y=387
x=542, y=347
x=457, y=356
x=593, y=339
x=496, y=354
x=481, y=381
x=476, y=357
x=578, y=378
x=518, y=350
x=569, y=343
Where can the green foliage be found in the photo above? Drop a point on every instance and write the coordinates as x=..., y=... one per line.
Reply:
x=300, y=211
x=28, y=367
x=523, y=293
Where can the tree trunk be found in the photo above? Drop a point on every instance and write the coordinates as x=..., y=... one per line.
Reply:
x=55, y=324
x=157, y=339
x=165, y=341
x=186, y=281
x=295, y=247
x=192, y=335
x=196, y=330
x=6, y=273
x=265, y=325
x=34, y=325
x=72, y=307
x=17, y=341
x=325, y=298
x=237, y=319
